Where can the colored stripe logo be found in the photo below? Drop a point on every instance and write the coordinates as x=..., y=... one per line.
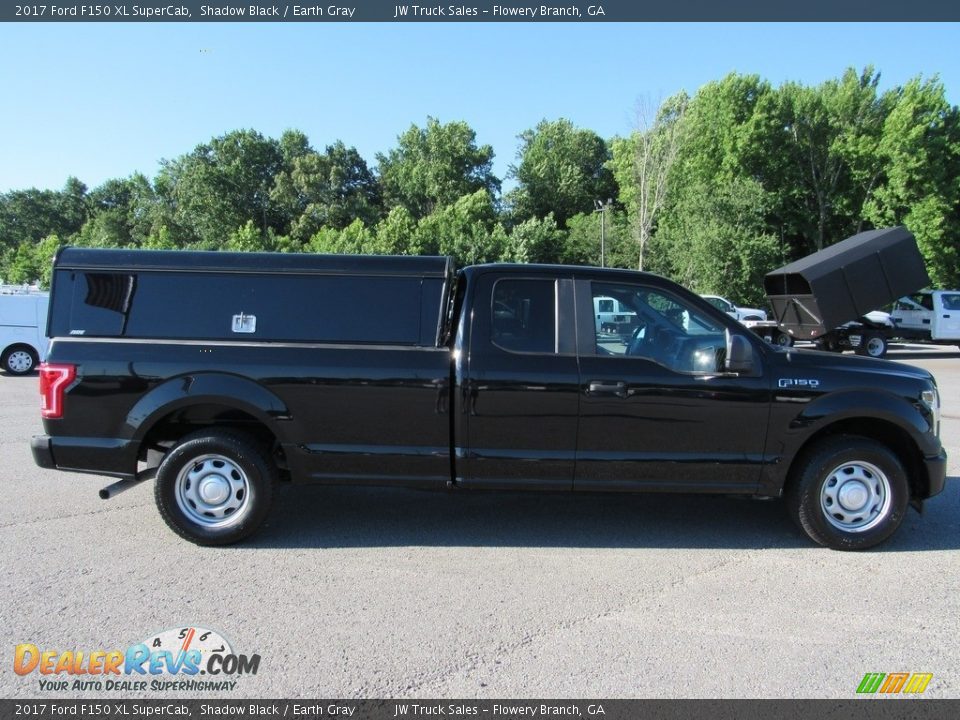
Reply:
x=894, y=683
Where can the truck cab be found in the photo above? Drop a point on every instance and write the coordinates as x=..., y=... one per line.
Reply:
x=932, y=315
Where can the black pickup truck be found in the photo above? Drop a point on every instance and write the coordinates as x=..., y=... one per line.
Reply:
x=219, y=375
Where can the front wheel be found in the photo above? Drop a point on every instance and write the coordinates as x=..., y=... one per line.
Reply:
x=215, y=487
x=848, y=493
x=19, y=360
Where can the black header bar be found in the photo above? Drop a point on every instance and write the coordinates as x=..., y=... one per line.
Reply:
x=503, y=11
x=595, y=709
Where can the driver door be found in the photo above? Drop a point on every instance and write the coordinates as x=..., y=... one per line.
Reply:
x=655, y=411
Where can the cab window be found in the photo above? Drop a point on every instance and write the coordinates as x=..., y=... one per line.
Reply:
x=524, y=315
x=661, y=327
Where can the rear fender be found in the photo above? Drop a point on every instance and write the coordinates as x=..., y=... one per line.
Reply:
x=231, y=391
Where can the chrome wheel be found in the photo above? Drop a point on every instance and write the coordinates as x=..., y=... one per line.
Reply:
x=213, y=491
x=855, y=496
x=20, y=362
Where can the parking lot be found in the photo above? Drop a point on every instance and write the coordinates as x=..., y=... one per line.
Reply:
x=360, y=593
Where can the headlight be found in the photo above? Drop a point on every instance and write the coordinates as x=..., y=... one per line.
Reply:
x=931, y=398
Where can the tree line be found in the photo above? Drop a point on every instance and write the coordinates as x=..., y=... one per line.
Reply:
x=714, y=189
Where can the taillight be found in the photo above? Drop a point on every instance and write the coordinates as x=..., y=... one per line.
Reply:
x=53, y=382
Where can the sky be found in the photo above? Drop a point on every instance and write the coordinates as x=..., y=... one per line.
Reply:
x=100, y=101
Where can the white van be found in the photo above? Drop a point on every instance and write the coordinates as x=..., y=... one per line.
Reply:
x=928, y=315
x=23, y=328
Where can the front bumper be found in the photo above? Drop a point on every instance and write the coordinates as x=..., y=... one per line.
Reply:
x=936, y=468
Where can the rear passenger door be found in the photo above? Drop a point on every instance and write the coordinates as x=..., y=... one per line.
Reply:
x=521, y=398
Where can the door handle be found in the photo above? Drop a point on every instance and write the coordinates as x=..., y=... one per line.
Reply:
x=601, y=387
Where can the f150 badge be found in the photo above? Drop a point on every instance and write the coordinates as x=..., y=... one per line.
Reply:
x=799, y=383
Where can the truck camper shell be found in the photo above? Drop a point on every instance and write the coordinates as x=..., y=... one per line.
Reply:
x=266, y=297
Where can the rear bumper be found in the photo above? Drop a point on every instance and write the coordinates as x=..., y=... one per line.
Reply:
x=115, y=457
x=936, y=467
x=42, y=454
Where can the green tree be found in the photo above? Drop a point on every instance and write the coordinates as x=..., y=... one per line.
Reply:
x=644, y=165
x=816, y=149
x=537, y=240
x=435, y=165
x=327, y=190
x=920, y=146
x=31, y=262
x=121, y=212
x=562, y=170
x=467, y=229
x=717, y=241
x=582, y=244
x=355, y=239
x=223, y=184
x=396, y=233
x=30, y=215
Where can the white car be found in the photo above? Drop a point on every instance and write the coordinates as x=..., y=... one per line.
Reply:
x=738, y=313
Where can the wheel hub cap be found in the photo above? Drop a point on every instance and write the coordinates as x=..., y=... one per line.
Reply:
x=214, y=489
x=855, y=496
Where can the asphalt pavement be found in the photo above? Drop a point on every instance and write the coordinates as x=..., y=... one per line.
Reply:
x=368, y=593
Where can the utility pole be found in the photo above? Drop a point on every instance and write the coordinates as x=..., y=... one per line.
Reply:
x=602, y=208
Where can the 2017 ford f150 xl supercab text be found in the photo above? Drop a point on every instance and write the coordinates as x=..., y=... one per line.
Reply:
x=220, y=375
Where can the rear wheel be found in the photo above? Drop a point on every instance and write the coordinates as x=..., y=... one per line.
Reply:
x=783, y=339
x=19, y=360
x=872, y=345
x=848, y=493
x=215, y=487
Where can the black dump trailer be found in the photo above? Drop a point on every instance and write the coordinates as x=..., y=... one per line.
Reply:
x=826, y=296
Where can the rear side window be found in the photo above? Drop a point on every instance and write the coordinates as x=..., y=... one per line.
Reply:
x=234, y=306
x=951, y=302
x=525, y=315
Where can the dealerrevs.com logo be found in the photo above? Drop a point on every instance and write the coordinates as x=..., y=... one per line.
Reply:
x=894, y=683
x=172, y=660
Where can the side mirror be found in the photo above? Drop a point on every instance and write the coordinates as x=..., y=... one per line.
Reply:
x=739, y=354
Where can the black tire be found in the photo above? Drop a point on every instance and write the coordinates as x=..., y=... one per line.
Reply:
x=782, y=339
x=848, y=460
x=205, y=465
x=873, y=345
x=19, y=360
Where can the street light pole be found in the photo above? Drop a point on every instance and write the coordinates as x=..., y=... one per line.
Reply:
x=602, y=208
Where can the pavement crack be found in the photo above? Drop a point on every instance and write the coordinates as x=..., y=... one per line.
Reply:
x=18, y=523
x=473, y=661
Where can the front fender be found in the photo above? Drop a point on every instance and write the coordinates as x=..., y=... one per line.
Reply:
x=790, y=432
x=230, y=391
x=849, y=404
